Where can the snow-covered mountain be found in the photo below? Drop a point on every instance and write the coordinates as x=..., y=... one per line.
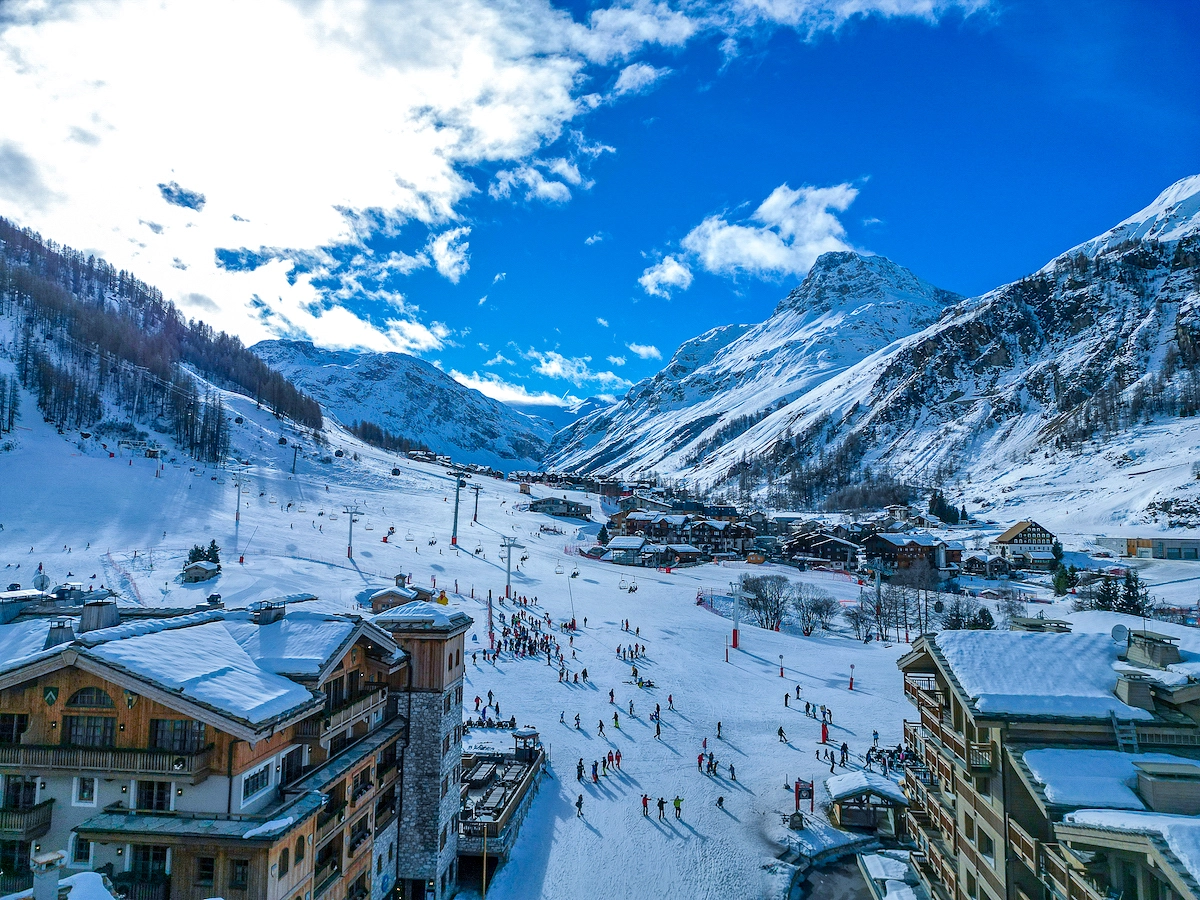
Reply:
x=411, y=398
x=1024, y=383
x=721, y=383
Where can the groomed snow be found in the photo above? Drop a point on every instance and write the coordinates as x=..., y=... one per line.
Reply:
x=1102, y=778
x=1029, y=674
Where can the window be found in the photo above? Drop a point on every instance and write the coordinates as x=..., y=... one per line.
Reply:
x=972, y=887
x=256, y=781
x=90, y=697
x=446, y=704
x=206, y=871
x=155, y=795
x=987, y=846
x=283, y=862
x=442, y=840
x=983, y=785
x=148, y=863
x=12, y=726
x=450, y=663
x=458, y=657
x=20, y=792
x=299, y=850
x=178, y=735
x=81, y=852
x=89, y=731
x=239, y=873
x=458, y=694
x=85, y=792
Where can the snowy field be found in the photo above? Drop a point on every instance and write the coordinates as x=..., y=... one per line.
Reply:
x=127, y=524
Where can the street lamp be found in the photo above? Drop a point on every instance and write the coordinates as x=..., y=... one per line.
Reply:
x=780, y=665
x=851, y=676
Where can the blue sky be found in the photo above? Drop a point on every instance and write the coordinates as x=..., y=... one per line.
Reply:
x=611, y=203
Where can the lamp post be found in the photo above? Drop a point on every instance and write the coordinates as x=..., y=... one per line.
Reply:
x=780, y=665
x=851, y=676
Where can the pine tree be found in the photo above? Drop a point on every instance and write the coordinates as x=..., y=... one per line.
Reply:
x=213, y=553
x=1059, y=580
x=602, y=537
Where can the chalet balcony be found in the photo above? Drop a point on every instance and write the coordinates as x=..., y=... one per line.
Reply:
x=26, y=824
x=1064, y=882
x=944, y=733
x=330, y=819
x=923, y=690
x=12, y=882
x=352, y=711
x=980, y=756
x=359, y=836
x=326, y=877
x=1023, y=846
x=191, y=767
x=361, y=791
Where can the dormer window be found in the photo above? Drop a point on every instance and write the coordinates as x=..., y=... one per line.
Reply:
x=90, y=698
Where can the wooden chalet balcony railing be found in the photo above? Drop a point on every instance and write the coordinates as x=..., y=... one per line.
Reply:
x=354, y=710
x=124, y=761
x=26, y=824
x=931, y=721
x=330, y=820
x=982, y=866
x=326, y=877
x=923, y=691
x=912, y=735
x=1023, y=846
x=980, y=756
x=982, y=808
x=1064, y=881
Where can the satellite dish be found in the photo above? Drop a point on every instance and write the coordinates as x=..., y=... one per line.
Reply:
x=41, y=581
x=1120, y=633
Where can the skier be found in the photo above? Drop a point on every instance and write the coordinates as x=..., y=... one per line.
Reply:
x=579, y=807
x=797, y=692
x=732, y=773
x=601, y=728
x=595, y=772
x=721, y=803
x=646, y=805
x=610, y=759
x=782, y=736
x=618, y=759
x=576, y=721
x=699, y=762
x=579, y=770
x=616, y=721
x=561, y=719
x=611, y=697
x=630, y=707
x=786, y=698
x=875, y=738
x=657, y=730
x=718, y=729
x=661, y=805
x=670, y=701
x=678, y=801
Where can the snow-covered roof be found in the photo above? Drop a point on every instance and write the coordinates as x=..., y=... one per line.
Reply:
x=1037, y=674
x=920, y=538
x=396, y=591
x=1182, y=833
x=854, y=784
x=203, y=564
x=299, y=644
x=626, y=542
x=883, y=868
x=205, y=664
x=1040, y=555
x=683, y=548
x=80, y=886
x=1101, y=778
x=421, y=614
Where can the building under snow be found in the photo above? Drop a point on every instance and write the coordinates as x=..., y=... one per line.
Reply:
x=1054, y=766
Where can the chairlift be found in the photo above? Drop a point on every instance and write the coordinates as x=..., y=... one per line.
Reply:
x=432, y=541
x=558, y=569
x=575, y=572
x=273, y=500
x=369, y=526
x=623, y=584
x=524, y=557
x=408, y=536
x=479, y=548
x=301, y=508
x=333, y=517
x=633, y=586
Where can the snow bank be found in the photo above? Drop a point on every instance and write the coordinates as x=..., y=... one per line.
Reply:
x=1031, y=674
x=271, y=827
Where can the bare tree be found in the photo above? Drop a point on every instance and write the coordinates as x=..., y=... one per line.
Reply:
x=767, y=598
x=812, y=606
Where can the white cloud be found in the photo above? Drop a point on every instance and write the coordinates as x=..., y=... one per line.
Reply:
x=636, y=78
x=645, y=351
x=415, y=98
x=575, y=369
x=594, y=239
x=449, y=252
x=616, y=360
x=500, y=276
x=482, y=300
x=603, y=323
x=499, y=359
x=491, y=385
x=664, y=275
x=787, y=232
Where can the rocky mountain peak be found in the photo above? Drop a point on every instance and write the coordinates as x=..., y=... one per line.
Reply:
x=842, y=277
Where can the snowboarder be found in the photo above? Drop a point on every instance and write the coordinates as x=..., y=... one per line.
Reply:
x=786, y=698
x=616, y=721
x=611, y=697
x=797, y=692
x=576, y=721
x=782, y=736
x=579, y=807
x=678, y=801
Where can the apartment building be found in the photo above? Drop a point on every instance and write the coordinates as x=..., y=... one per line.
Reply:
x=1053, y=766
x=242, y=754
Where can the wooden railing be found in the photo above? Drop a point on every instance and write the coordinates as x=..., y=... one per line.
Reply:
x=980, y=757
x=325, y=877
x=353, y=711
x=1054, y=871
x=912, y=735
x=26, y=824
x=931, y=720
x=330, y=820
x=1023, y=845
x=125, y=761
x=923, y=690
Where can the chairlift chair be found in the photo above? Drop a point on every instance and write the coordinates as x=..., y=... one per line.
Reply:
x=623, y=584
x=633, y=586
x=575, y=572
x=408, y=536
x=558, y=569
x=369, y=526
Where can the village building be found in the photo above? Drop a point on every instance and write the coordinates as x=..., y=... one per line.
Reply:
x=561, y=507
x=1022, y=539
x=984, y=565
x=1033, y=779
x=200, y=570
x=1153, y=547
x=398, y=594
x=893, y=552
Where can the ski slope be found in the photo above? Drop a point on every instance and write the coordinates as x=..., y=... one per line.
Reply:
x=127, y=523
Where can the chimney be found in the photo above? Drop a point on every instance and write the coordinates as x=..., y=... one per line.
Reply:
x=1134, y=690
x=268, y=613
x=61, y=632
x=99, y=614
x=46, y=867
